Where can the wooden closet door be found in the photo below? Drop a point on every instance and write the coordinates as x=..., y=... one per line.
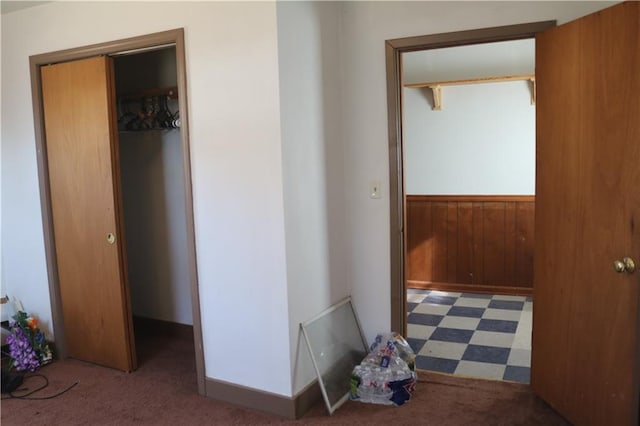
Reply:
x=84, y=183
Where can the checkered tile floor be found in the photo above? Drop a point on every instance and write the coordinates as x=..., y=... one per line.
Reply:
x=468, y=334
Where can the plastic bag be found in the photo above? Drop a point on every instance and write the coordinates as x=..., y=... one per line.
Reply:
x=387, y=374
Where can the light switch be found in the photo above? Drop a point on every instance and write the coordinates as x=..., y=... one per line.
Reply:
x=374, y=189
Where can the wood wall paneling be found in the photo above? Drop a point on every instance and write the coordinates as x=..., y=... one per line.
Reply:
x=510, y=235
x=452, y=241
x=493, y=239
x=439, y=235
x=524, y=244
x=477, y=238
x=418, y=263
x=464, y=260
x=472, y=242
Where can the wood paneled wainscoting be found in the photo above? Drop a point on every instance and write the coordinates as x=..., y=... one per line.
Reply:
x=479, y=243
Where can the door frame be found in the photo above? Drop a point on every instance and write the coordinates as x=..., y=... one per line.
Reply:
x=394, y=49
x=173, y=37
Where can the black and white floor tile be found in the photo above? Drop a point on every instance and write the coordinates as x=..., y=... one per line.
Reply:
x=468, y=334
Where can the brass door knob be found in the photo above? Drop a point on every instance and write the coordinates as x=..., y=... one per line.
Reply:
x=625, y=265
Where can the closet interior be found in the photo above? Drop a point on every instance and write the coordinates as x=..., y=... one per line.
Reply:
x=153, y=195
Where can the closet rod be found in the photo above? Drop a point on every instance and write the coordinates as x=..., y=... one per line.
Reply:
x=142, y=49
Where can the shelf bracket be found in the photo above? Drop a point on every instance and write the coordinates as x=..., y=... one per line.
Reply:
x=437, y=97
x=532, y=87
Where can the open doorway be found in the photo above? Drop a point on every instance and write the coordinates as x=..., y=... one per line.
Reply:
x=403, y=246
x=469, y=173
x=153, y=200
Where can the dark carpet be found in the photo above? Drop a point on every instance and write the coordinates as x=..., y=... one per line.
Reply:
x=163, y=391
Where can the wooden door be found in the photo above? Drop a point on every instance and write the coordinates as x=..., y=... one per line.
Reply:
x=82, y=156
x=585, y=319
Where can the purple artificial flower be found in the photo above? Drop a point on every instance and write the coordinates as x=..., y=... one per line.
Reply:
x=23, y=355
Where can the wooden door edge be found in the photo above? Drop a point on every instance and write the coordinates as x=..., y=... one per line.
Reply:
x=119, y=213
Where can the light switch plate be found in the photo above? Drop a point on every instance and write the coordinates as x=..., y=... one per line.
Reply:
x=374, y=190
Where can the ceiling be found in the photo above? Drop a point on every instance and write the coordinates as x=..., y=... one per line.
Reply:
x=12, y=6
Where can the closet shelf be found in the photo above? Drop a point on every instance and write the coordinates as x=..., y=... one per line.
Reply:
x=171, y=92
x=436, y=86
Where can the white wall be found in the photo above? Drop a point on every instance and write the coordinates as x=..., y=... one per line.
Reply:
x=155, y=225
x=232, y=66
x=474, y=61
x=366, y=26
x=313, y=167
x=3, y=310
x=482, y=142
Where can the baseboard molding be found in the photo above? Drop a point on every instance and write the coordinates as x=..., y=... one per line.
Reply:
x=307, y=398
x=166, y=328
x=283, y=406
x=470, y=288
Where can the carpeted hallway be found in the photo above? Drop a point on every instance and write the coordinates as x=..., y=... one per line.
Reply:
x=163, y=392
